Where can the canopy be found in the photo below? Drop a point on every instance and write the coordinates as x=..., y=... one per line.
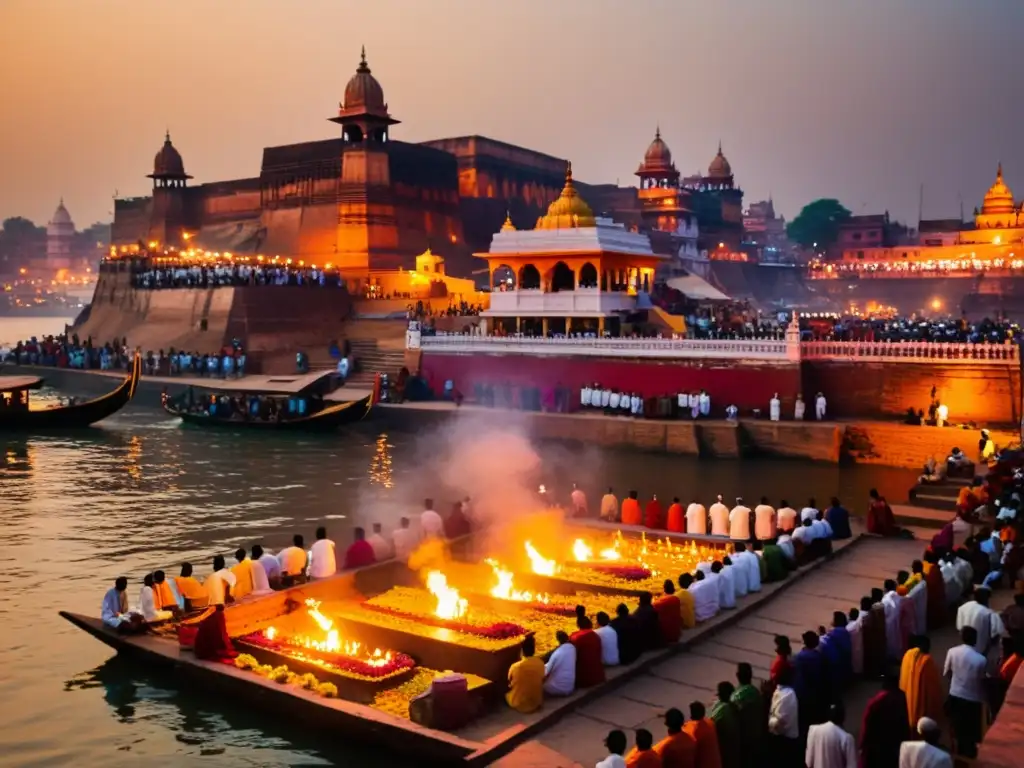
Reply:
x=694, y=287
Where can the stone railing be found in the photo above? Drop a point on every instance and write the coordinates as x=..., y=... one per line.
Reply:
x=720, y=349
x=912, y=352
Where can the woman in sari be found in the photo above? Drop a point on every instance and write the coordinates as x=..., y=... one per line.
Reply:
x=881, y=521
x=212, y=641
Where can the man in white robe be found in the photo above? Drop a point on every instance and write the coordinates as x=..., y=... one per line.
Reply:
x=696, y=519
x=719, y=514
x=855, y=627
x=918, y=595
x=147, y=603
x=986, y=622
x=785, y=543
x=323, y=561
x=775, y=408
x=609, y=507
x=260, y=582
x=828, y=745
x=625, y=404
x=404, y=539
x=705, y=596
x=819, y=407
x=731, y=413
x=764, y=521
x=798, y=408
x=739, y=521
x=740, y=574
x=381, y=547
x=925, y=753
x=606, y=396
x=752, y=563
x=810, y=512
x=613, y=400
x=704, y=400
x=694, y=405
x=682, y=404
x=585, y=394
x=891, y=602
x=726, y=584
x=114, y=611
x=431, y=524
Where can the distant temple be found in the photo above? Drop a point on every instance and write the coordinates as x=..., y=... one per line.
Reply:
x=60, y=239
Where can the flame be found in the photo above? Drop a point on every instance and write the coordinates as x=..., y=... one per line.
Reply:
x=540, y=564
x=332, y=643
x=581, y=551
x=449, y=604
x=611, y=553
x=504, y=589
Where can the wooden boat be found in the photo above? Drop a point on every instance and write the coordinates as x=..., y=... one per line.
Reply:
x=16, y=413
x=315, y=415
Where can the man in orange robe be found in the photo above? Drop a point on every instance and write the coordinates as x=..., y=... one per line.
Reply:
x=936, y=586
x=642, y=755
x=678, y=749
x=675, y=517
x=243, y=576
x=921, y=682
x=631, y=510
x=190, y=589
x=704, y=734
x=653, y=517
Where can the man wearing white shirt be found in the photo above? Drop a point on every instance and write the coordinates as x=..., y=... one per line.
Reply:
x=804, y=534
x=987, y=624
x=431, y=523
x=616, y=744
x=614, y=400
x=705, y=594
x=579, y=501
x=682, y=403
x=624, y=404
x=293, y=560
x=609, y=507
x=606, y=396
x=585, y=396
x=219, y=583
x=925, y=753
x=819, y=407
x=609, y=640
x=704, y=402
x=764, y=520
x=828, y=745
x=322, y=560
x=560, y=670
x=719, y=514
x=965, y=670
x=404, y=540
x=783, y=721
x=785, y=518
x=726, y=584
x=696, y=519
x=752, y=563
x=785, y=543
x=739, y=522
x=381, y=548
x=270, y=564
x=810, y=512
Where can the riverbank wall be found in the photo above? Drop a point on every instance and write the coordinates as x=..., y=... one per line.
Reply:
x=883, y=443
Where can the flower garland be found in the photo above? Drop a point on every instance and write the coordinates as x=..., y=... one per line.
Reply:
x=502, y=630
x=395, y=664
x=285, y=676
x=627, y=572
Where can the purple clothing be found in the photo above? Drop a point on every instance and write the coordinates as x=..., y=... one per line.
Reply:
x=838, y=649
x=812, y=689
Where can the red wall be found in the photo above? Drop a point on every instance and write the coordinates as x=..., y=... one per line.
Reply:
x=746, y=386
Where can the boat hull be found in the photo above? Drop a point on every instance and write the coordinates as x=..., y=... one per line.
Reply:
x=325, y=420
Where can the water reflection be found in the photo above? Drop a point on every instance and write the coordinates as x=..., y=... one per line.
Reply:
x=380, y=464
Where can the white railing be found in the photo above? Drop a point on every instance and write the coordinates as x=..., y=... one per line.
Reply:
x=777, y=350
x=911, y=352
x=721, y=349
x=567, y=303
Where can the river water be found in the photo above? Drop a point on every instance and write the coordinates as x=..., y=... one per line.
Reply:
x=141, y=493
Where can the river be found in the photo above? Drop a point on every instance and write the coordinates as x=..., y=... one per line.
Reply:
x=141, y=493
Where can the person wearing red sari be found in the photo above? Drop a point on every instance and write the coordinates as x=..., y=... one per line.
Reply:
x=669, y=612
x=880, y=518
x=885, y=726
x=652, y=516
x=783, y=651
x=675, y=521
x=589, y=668
x=212, y=642
x=359, y=552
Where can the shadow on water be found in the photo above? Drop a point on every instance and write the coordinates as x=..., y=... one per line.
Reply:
x=206, y=726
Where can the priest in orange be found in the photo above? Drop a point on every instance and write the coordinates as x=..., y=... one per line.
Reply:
x=936, y=586
x=677, y=749
x=190, y=589
x=243, y=576
x=675, y=517
x=703, y=732
x=921, y=682
x=631, y=510
x=643, y=754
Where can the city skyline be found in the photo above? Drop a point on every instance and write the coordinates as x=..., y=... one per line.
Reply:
x=807, y=101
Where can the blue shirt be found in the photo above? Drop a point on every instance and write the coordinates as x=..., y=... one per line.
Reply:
x=839, y=519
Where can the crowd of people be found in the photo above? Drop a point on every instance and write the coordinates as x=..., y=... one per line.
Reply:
x=187, y=274
x=947, y=330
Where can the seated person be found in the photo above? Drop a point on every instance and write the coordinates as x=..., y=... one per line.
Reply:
x=167, y=598
x=212, y=642
x=271, y=566
x=958, y=465
x=931, y=472
x=243, y=576
x=589, y=667
x=648, y=623
x=148, y=603
x=115, y=613
x=359, y=552
x=526, y=680
x=669, y=613
x=192, y=592
x=293, y=562
x=560, y=670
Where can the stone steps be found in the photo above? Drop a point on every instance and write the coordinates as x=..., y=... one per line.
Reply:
x=923, y=517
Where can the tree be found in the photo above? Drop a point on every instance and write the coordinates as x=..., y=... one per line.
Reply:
x=818, y=222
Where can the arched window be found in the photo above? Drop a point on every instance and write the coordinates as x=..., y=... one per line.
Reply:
x=504, y=278
x=588, y=276
x=562, y=278
x=353, y=134
x=529, y=277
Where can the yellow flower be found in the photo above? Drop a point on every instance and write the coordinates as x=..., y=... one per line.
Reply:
x=279, y=674
x=328, y=690
x=309, y=681
x=245, y=661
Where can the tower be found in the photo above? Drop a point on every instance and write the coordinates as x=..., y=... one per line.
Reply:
x=367, y=233
x=60, y=236
x=664, y=205
x=167, y=215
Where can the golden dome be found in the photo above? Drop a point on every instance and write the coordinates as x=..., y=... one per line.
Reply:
x=569, y=211
x=508, y=226
x=719, y=168
x=658, y=156
x=999, y=198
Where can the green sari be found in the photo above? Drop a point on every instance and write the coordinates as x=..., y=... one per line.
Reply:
x=750, y=715
x=723, y=715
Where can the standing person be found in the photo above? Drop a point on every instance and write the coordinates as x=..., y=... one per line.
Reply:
x=812, y=682
x=782, y=660
x=965, y=670
x=739, y=522
x=799, y=408
x=838, y=519
x=456, y=525
x=404, y=540
x=675, y=522
x=819, y=407
x=677, y=749
x=653, y=517
x=925, y=753
x=704, y=734
x=381, y=548
x=764, y=521
x=579, y=502
x=631, y=510
x=615, y=742
x=936, y=586
x=828, y=745
x=855, y=627
x=881, y=520
x=884, y=726
x=921, y=681
x=609, y=507
x=774, y=408
x=719, y=514
x=643, y=754
x=986, y=622
x=696, y=519
x=784, y=724
x=322, y=560
x=431, y=524
x=723, y=715
x=749, y=715
x=785, y=517
x=359, y=552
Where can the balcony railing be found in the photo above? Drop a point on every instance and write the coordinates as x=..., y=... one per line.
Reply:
x=768, y=350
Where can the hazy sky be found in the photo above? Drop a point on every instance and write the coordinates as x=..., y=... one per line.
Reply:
x=863, y=100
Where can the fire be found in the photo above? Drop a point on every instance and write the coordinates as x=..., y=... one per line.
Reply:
x=504, y=589
x=581, y=551
x=449, y=604
x=332, y=643
x=540, y=564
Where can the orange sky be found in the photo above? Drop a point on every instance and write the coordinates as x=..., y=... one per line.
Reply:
x=861, y=100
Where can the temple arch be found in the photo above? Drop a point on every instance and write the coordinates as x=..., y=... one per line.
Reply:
x=503, y=277
x=562, y=278
x=529, y=277
x=588, y=276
